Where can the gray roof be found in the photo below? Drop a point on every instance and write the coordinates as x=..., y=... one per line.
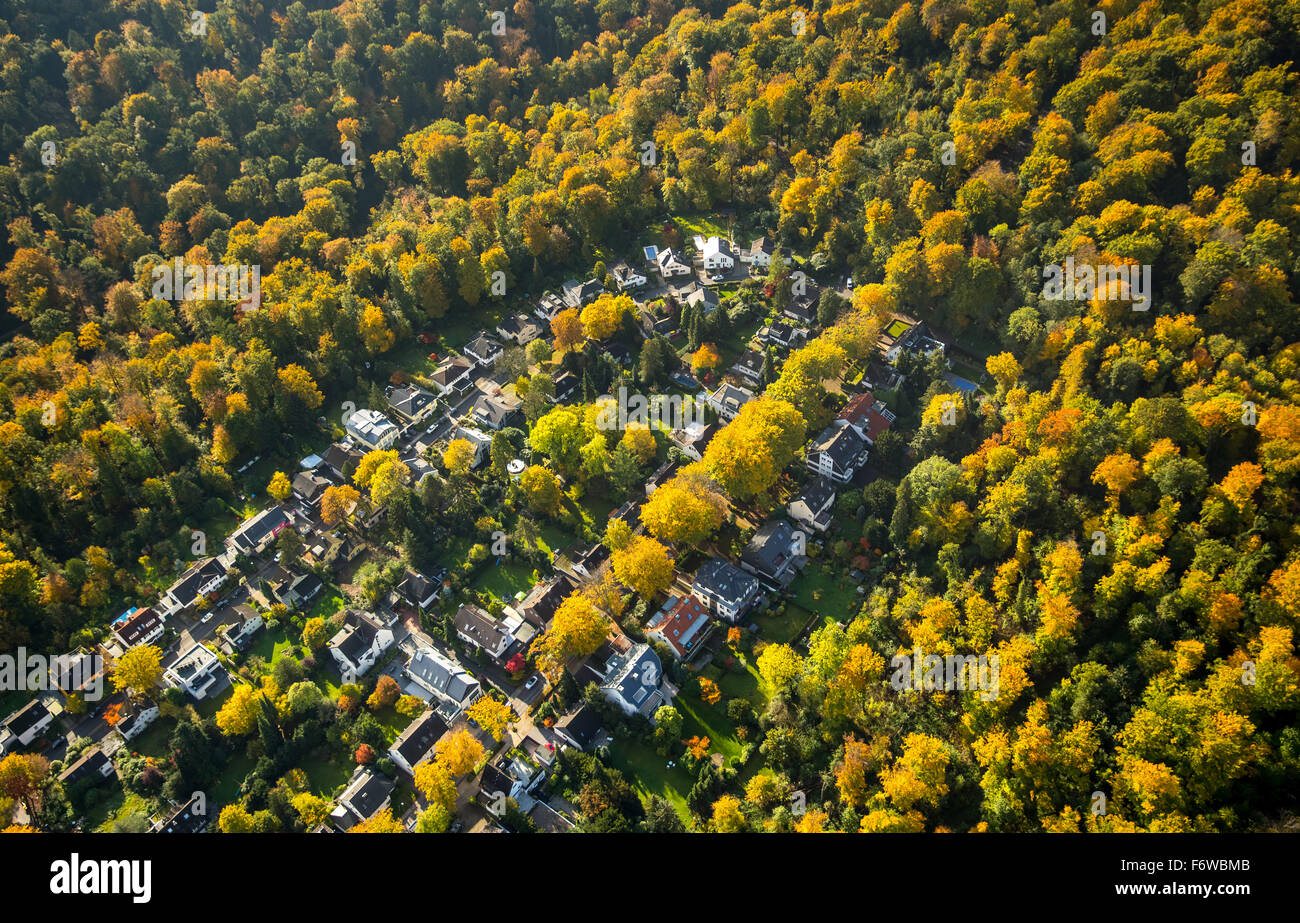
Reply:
x=366, y=794
x=841, y=443
x=636, y=675
x=410, y=400
x=27, y=717
x=769, y=550
x=420, y=735
x=437, y=673
x=818, y=493
x=486, y=631
x=725, y=580
x=581, y=726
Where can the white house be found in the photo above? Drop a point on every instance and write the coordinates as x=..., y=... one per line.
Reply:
x=625, y=277
x=728, y=399
x=134, y=717
x=837, y=452
x=717, y=254
x=479, y=629
x=416, y=743
x=519, y=328
x=453, y=375
x=25, y=725
x=139, y=626
x=671, y=263
x=200, y=579
x=634, y=681
x=371, y=428
x=812, y=508
x=444, y=679
x=483, y=349
x=726, y=589
x=198, y=672
x=359, y=644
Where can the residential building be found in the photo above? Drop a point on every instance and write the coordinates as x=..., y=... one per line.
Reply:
x=671, y=263
x=725, y=589
x=258, y=531
x=25, y=725
x=662, y=475
x=371, y=429
x=202, y=578
x=416, y=743
x=518, y=328
x=582, y=562
x=705, y=300
x=368, y=792
x=695, y=438
x=340, y=461
x=634, y=681
x=134, y=716
x=567, y=387
x=812, y=508
x=446, y=681
x=868, y=417
x=92, y=765
x=759, y=254
x=774, y=554
x=717, y=254
x=412, y=404
x=625, y=277
x=682, y=624
x=418, y=590
x=198, y=672
x=240, y=633
x=539, y=606
x=483, y=349
x=749, y=367
x=837, y=452
x=452, y=375
x=508, y=777
x=308, y=488
x=139, y=626
x=190, y=817
x=727, y=399
x=548, y=306
x=359, y=644
x=579, y=728
x=575, y=294
x=782, y=335
x=479, y=440
x=497, y=412
x=478, y=628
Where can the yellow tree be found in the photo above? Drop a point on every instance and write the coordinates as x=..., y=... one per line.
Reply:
x=727, y=816
x=643, y=565
x=279, y=488
x=567, y=327
x=381, y=822
x=460, y=751
x=139, y=669
x=541, y=489
x=491, y=714
x=337, y=503
x=459, y=457
x=604, y=317
x=577, y=630
x=686, y=510
x=315, y=633
x=705, y=358
x=638, y=439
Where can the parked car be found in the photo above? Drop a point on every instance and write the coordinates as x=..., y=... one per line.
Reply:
x=531, y=682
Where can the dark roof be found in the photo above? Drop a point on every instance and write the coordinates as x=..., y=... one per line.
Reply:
x=410, y=400
x=494, y=411
x=308, y=485
x=184, y=820
x=136, y=626
x=581, y=726
x=769, y=549
x=27, y=717
x=542, y=600
x=818, y=493
x=358, y=634
x=341, y=458
x=418, y=739
x=486, y=631
x=187, y=587
x=415, y=588
x=841, y=443
x=482, y=344
x=722, y=579
x=367, y=793
x=256, y=529
x=90, y=765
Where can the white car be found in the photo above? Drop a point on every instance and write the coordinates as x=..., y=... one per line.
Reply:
x=206, y=618
x=717, y=277
x=531, y=682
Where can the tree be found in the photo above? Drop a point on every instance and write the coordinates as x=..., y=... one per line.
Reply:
x=385, y=694
x=279, y=488
x=459, y=457
x=639, y=440
x=316, y=633
x=705, y=359
x=780, y=666
x=604, y=317
x=459, y=752
x=541, y=490
x=21, y=777
x=750, y=452
x=382, y=822
x=139, y=669
x=491, y=714
x=337, y=503
x=567, y=328
x=644, y=566
x=686, y=510
x=576, y=630
x=727, y=817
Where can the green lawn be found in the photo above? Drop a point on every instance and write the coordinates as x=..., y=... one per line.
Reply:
x=502, y=581
x=649, y=773
x=116, y=804
x=325, y=774
x=827, y=592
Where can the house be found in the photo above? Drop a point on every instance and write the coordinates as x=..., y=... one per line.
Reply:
x=518, y=328
x=340, y=461
x=416, y=743
x=868, y=416
x=478, y=628
x=483, y=349
x=190, y=817
x=695, y=438
x=630, y=513
x=240, y=633
x=579, y=728
x=671, y=263
x=452, y=375
x=774, y=554
x=566, y=387
x=410, y=403
x=446, y=681
x=759, y=254
x=749, y=367
x=134, y=716
x=662, y=475
x=539, y=606
x=582, y=562
x=359, y=644
x=801, y=310
x=782, y=335
x=200, y=579
x=198, y=672
x=727, y=400
x=308, y=488
x=508, y=777
x=634, y=681
x=419, y=590
x=548, y=306
x=725, y=589
x=479, y=440
x=812, y=508
x=904, y=334
x=25, y=725
x=371, y=429
x=575, y=294
x=625, y=277
x=293, y=590
x=139, y=626
x=92, y=765
x=717, y=254
x=837, y=452
x=682, y=624
x=705, y=300
x=367, y=793
x=496, y=412
x=257, y=532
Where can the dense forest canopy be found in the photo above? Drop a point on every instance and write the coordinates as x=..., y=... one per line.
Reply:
x=942, y=152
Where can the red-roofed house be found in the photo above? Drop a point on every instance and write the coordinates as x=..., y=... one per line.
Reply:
x=682, y=624
x=868, y=416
